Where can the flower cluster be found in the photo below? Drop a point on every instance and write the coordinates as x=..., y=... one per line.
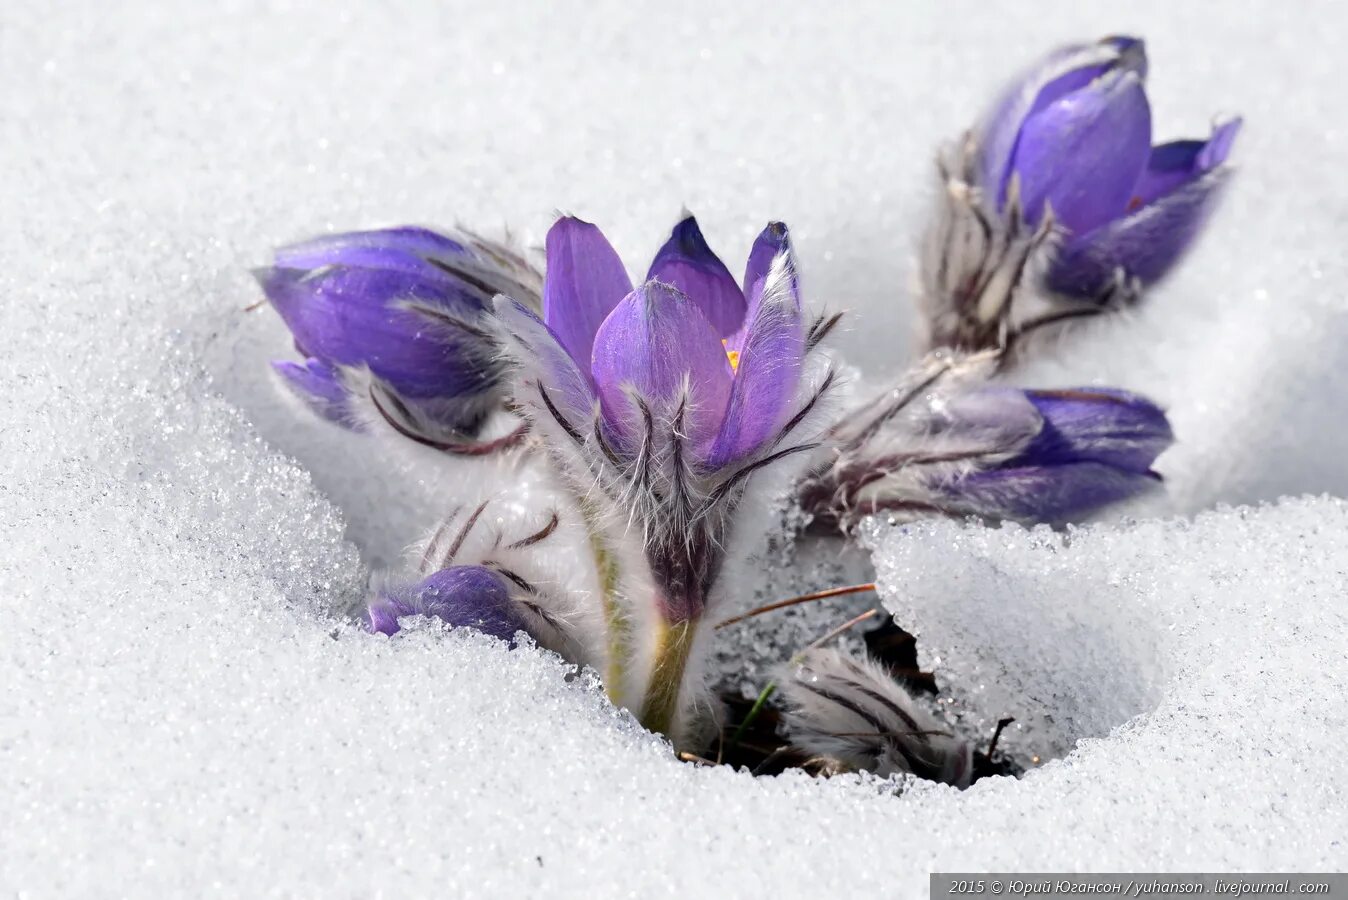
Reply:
x=667, y=410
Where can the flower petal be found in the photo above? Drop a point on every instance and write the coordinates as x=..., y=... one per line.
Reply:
x=399, y=324
x=1144, y=245
x=768, y=376
x=1058, y=74
x=1053, y=495
x=369, y=248
x=461, y=596
x=1177, y=163
x=773, y=240
x=688, y=263
x=1103, y=425
x=1085, y=153
x=653, y=343
x=584, y=281
x=319, y=386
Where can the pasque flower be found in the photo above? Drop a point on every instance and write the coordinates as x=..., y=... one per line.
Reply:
x=660, y=404
x=392, y=323
x=944, y=443
x=1061, y=186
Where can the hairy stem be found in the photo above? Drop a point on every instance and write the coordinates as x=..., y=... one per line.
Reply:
x=660, y=709
x=616, y=625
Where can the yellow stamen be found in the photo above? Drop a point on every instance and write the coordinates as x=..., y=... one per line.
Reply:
x=733, y=356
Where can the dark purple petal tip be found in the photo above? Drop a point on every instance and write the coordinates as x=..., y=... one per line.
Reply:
x=688, y=263
x=1055, y=494
x=1173, y=200
x=461, y=596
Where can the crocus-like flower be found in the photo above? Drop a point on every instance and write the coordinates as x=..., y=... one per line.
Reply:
x=1062, y=187
x=659, y=406
x=944, y=444
x=853, y=711
x=393, y=327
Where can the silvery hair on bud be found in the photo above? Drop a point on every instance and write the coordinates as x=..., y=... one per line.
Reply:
x=854, y=711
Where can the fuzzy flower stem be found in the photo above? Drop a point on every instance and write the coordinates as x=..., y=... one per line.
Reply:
x=616, y=625
x=671, y=659
x=771, y=687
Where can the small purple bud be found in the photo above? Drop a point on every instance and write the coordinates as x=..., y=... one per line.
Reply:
x=461, y=596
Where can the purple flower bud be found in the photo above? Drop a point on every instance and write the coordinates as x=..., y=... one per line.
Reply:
x=1094, y=447
x=409, y=306
x=945, y=443
x=1060, y=188
x=461, y=596
x=1074, y=136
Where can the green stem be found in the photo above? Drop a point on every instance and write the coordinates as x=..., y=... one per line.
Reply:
x=754, y=710
x=661, y=706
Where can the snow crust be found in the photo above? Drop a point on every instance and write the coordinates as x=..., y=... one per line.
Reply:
x=185, y=709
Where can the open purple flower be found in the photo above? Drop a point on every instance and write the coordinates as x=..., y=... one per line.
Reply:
x=393, y=325
x=659, y=404
x=1061, y=185
x=943, y=444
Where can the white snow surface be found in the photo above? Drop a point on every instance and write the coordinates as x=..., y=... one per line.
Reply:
x=186, y=712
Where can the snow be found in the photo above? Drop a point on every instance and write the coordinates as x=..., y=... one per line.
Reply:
x=186, y=711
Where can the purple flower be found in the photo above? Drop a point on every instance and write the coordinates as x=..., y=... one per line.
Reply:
x=396, y=319
x=462, y=596
x=659, y=403
x=945, y=444
x=1093, y=447
x=1061, y=188
x=1074, y=136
